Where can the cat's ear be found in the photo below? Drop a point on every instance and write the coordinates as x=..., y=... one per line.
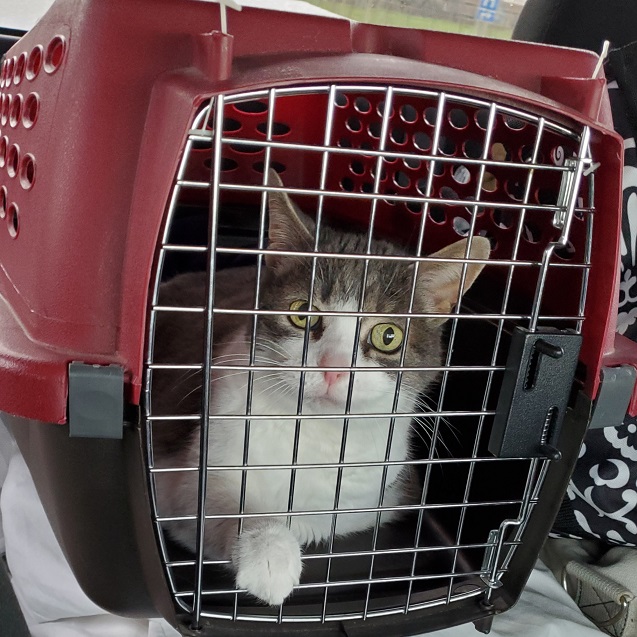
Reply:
x=289, y=228
x=440, y=282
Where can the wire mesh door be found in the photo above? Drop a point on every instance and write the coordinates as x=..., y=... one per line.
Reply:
x=371, y=453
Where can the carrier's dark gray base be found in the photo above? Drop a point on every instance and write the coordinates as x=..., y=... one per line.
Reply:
x=95, y=495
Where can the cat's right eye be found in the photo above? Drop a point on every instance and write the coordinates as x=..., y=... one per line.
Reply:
x=301, y=321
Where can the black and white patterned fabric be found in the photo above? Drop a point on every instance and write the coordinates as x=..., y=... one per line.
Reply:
x=601, y=500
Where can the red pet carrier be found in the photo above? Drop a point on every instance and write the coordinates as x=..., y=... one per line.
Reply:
x=136, y=142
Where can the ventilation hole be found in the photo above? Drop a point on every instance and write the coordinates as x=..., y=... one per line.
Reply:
x=514, y=123
x=503, y=218
x=383, y=173
x=461, y=226
x=558, y=155
x=421, y=186
x=347, y=184
x=499, y=152
x=431, y=114
x=492, y=240
x=357, y=167
x=3, y=202
x=438, y=214
x=422, y=141
x=439, y=168
x=278, y=128
x=380, y=109
x=489, y=182
x=390, y=193
x=411, y=162
x=448, y=193
x=526, y=154
x=458, y=118
x=278, y=167
x=374, y=129
x=390, y=160
x=447, y=146
x=546, y=196
x=414, y=207
x=31, y=110
x=6, y=107
x=474, y=209
x=228, y=164
x=34, y=62
x=566, y=252
x=3, y=151
x=54, y=54
x=246, y=149
x=253, y=106
x=367, y=187
x=231, y=125
x=515, y=189
x=398, y=136
x=344, y=142
x=472, y=149
x=461, y=174
x=341, y=100
x=482, y=118
x=13, y=220
x=531, y=232
x=408, y=113
x=201, y=144
x=10, y=67
x=20, y=68
x=27, y=171
x=401, y=179
x=368, y=146
x=13, y=160
x=15, y=115
x=362, y=105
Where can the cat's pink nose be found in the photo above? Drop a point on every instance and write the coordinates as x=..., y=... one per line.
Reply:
x=331, y=378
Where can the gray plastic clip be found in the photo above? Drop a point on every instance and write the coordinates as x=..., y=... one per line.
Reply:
x=96, y=401
x=613, y=398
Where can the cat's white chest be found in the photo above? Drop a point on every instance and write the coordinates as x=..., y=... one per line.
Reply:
x=307, y=477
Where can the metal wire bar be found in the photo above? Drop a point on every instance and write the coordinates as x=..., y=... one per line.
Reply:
x=309, y=557
x=207, y=371
x=336, y=465
x=308, y=512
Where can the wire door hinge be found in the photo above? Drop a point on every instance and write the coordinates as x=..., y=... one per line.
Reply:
x=491, y=554
x=534, y=396
x=96, y=401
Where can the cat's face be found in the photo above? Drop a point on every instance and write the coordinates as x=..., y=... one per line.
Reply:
x=380, y=342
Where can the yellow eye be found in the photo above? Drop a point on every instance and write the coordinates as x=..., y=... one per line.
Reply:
x=386, y=337
x=301, y=321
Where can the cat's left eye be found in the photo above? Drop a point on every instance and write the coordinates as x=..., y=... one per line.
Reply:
x=386, y=337
x=301, y=321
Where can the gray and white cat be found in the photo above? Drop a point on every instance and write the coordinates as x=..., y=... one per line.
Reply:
x=266, y=555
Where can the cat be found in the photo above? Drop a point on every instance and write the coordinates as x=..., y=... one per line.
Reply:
x=267, y=555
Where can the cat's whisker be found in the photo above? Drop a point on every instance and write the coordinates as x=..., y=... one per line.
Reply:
x=269, y=344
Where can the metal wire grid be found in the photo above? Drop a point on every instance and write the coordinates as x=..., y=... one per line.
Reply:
x=500, y=545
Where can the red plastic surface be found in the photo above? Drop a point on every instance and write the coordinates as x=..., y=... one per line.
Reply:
x=109, y=107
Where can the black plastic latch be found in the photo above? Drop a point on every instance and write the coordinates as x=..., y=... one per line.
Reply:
x=535, y=390
x=96, y=401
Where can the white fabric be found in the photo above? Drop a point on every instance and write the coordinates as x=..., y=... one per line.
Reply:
x=54, y=605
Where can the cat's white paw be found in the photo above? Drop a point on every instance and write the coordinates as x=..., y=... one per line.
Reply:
x=268, y=562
